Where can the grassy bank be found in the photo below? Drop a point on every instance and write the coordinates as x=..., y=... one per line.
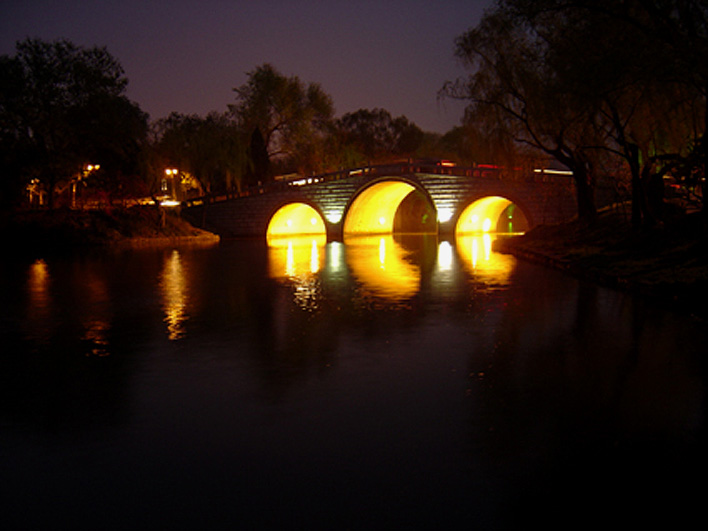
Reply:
x=55, y=230
x=668, y=262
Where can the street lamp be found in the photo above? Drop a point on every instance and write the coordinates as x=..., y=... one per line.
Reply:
x=169, y=189
x=88, y=170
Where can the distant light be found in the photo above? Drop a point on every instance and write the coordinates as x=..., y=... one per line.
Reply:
x=553, y=172
x=444, y=215
x=382, y=220
x=486, y=225
x=169, y=203
x=333, y=217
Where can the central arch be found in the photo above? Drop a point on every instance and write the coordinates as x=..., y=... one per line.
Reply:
x=375, y=210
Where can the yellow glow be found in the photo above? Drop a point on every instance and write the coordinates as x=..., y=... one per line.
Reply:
x=476, y=253
x=444, y=256
x=380, y=265
x=38, y=284
x=293, y=220
x=297, y=256
x=296, y=261
x=482, y=215
x=374, y=210
x=174, y=293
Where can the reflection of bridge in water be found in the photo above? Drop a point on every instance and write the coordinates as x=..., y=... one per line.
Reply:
x=406, y=197
x=386, y=267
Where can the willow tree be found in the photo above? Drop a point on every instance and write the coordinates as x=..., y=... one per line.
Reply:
x=211, y=149
x=640, y=65
x=292, y=117
x=513, y=89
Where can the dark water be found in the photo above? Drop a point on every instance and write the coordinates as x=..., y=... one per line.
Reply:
x=379, y=384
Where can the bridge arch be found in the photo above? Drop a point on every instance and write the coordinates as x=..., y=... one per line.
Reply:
x=296, y=219
x=492, y=213
x=389, y=205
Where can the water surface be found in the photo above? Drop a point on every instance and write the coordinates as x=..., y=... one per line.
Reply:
x=378, y=383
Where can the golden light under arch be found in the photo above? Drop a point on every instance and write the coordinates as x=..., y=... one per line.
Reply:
x=482, y=215
x=295, y=219
x=373, y=211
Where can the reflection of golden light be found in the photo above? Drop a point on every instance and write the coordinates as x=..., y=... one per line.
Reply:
x=39, y=283
x=476, y=252
x=297, y=260
x=374, y=210
x=294, y=219
x=482, y=215
x=380, y=264
x=444, y=256
x=296, y=256
x=39, y=294
x=173, y=282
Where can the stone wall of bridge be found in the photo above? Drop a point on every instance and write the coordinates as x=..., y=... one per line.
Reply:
x=543, y=200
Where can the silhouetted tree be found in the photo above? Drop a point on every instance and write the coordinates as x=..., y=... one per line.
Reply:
x=643, y=64
x=513, y=88
x=258, y=161
x=290, y=115
x=211, y=149
x=62, y=107
x=378, y=136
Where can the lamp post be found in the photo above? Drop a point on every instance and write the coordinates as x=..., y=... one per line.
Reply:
x=88, y=169
x=171, y=174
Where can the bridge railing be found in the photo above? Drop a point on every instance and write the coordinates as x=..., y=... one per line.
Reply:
x=383, y=170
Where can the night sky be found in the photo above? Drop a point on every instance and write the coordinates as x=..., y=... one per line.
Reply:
x=187, y=56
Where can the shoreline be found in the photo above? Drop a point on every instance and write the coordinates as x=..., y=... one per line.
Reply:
x=61, y=230
x=667, y=264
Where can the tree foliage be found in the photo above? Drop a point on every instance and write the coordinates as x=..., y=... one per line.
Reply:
x=378, y=136
x=211, y=149
x=291, y=116
x=586, y=80
x=61, y=107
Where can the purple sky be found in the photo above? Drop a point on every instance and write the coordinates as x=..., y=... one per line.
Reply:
x=187, y=56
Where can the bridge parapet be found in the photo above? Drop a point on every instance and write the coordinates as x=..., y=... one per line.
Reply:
x=542, y=197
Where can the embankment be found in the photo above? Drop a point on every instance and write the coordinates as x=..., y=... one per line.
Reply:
x=64, y=229
x=669, y=263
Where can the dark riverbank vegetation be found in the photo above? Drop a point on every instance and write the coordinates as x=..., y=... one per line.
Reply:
x=667, y=263
x=614, y=92
x=63, y=229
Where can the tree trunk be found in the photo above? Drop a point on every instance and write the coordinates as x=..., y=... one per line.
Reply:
x=632, y=154
x=585, y=195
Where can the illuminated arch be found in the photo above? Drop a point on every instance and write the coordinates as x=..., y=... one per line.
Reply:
x=374, y=210
x=295, y=219
x=484, y=215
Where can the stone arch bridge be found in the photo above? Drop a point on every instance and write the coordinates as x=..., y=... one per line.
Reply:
x=402, y=197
